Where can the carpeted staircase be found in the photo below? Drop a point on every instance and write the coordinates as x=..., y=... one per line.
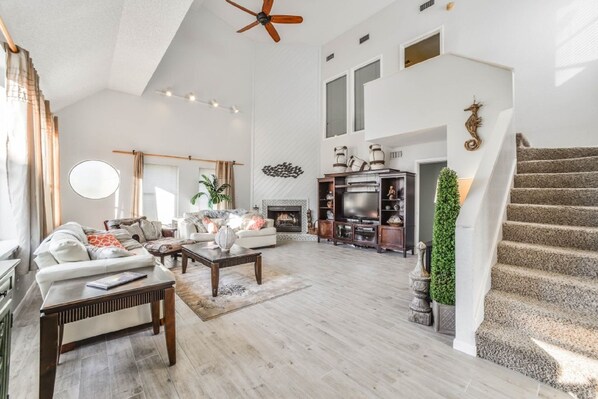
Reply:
x=541, y=314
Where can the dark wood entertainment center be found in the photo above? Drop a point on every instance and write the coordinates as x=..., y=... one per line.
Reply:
x=335, y=226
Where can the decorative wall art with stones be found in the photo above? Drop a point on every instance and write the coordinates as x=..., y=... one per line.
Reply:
x=284, y=170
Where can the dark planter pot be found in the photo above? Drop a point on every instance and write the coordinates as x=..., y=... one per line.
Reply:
x=444, y=318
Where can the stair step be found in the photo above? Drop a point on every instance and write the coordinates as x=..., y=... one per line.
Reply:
x=585, y=164
x=557, y=180
x=568, y=261
x=567, y=292
x=555, y=196
x=539, y=320
x=553, y=214
x=579, y=237
x=533, y=154
x=512, y=348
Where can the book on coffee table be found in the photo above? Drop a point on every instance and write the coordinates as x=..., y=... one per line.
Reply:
x=117, y=280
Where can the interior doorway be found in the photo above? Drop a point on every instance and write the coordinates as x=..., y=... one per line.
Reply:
x=428, y=176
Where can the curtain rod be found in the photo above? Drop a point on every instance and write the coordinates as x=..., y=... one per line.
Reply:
x=187, y=158
x=11, y=44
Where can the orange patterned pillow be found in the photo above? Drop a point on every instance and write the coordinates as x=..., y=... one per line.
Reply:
x=257, y=222
x=103, y=240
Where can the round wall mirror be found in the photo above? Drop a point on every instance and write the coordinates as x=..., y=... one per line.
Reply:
x=94, y=179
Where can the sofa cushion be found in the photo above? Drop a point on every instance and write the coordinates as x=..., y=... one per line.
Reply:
x=134, y=230
x=267, y=231
x=202, y=237
x=73, y=229
x=166, y=244
x=66, y=249
x=197, y=222
x=96, y=253
x=253, y=221
x=118, y=223
x=151, y=230
x=104, y=240
x=45, y=259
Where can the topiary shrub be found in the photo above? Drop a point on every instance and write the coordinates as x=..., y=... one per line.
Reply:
x=442, y=286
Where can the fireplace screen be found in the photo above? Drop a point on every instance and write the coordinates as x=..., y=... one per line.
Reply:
x=286, y=218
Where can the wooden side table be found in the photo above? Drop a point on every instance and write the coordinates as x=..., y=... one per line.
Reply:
x=71, y=300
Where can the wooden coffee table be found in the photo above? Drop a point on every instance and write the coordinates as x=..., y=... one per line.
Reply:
x=216, y=259
x=71, y=300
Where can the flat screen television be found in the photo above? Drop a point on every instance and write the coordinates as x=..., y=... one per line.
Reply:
x=363, y=205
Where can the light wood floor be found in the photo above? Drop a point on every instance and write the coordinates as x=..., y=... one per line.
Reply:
x=346, y=336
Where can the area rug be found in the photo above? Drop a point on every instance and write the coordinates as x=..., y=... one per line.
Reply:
x=237, y=289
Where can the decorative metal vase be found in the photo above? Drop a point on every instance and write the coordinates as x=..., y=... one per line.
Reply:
x=225, y=238
x=376, y=157
x=340, y=159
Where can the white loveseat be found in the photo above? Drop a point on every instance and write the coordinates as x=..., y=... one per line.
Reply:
x=51, y=271
x=265, y=237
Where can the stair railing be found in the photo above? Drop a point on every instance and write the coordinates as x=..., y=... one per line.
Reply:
x=479, y=229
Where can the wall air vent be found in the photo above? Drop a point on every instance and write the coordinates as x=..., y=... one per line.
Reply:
x=364, y=39
x=427, y=4
x=396, y=154
x=330, y=57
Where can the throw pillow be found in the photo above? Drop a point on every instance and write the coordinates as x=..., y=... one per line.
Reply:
x=210, y=226
x=253, y=221
x=66, y=250
x=44, y=259
x=151, y=230
x=96, y=253
x=197, y=222
x=235, y=222
x=104, y=240
x=135, y=230
x=125, y=238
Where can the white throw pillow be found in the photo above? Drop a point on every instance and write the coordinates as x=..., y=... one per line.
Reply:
x=134, y=229
x=44, y=259
x=96, y=253
x=151, y=230
x=66, y=250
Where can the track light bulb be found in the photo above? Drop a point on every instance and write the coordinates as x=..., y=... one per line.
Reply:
x=168, y=93
x=234, y=109
x=214, y=103
x=191, y=97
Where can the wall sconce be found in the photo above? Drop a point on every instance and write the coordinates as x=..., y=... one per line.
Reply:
x=192, y=98
x=464, y=187
x=450, y=5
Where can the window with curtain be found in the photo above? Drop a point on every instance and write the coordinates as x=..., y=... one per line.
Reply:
x=160, y=192
x=362, y=76
x=336, y=107
x=202, y=202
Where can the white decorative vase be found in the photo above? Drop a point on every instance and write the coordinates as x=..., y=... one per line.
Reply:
x=376, y=157
x=225, y=238
x=340, y=159
x=358, y=164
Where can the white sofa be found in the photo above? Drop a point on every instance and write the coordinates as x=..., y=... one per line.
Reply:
x=49, y=273
x=265, y=237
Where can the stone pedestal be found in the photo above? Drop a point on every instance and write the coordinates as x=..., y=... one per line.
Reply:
x=419, y=281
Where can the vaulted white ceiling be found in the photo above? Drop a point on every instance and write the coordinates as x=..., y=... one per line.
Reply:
x=84, y=46
x=323, y=20
x=81, y=47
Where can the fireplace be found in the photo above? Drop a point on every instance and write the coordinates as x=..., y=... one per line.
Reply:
x=287, y=219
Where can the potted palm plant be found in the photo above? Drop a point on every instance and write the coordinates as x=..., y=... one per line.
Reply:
x=442, y=285
x=215, y=193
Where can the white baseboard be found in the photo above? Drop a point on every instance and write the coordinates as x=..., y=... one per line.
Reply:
x=465, y=347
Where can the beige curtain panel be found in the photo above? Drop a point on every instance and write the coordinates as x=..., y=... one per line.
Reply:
x=136, y=207
x=33, y=165
x=225, y=173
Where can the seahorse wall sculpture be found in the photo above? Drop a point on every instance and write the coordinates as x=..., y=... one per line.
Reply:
x=472, y=125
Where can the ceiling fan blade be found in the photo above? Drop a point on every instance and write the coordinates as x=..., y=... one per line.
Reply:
x=241, y=8
x=267, y=7
x=272, y=31
x=286, y=19
x=248, y=27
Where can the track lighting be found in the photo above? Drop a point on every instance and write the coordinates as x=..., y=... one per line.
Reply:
x=192, y=98
x=168, y=93
x=214, y=103
x=234, y=109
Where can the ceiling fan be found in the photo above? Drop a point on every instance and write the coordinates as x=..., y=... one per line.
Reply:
x=264, y=18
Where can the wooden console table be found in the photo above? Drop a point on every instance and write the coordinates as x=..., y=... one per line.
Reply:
x=71, y=300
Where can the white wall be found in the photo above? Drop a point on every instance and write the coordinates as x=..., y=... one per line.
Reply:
x=206, y=57
x=549, y=45
x=287, y=117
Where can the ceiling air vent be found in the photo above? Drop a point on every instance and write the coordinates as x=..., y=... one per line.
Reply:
x=427, y=4
x=364, y=39
x=330, y=57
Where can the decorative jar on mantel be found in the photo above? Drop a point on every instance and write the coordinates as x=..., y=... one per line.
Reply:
x=225, y=238
x=376, y=157
x=340, y=159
